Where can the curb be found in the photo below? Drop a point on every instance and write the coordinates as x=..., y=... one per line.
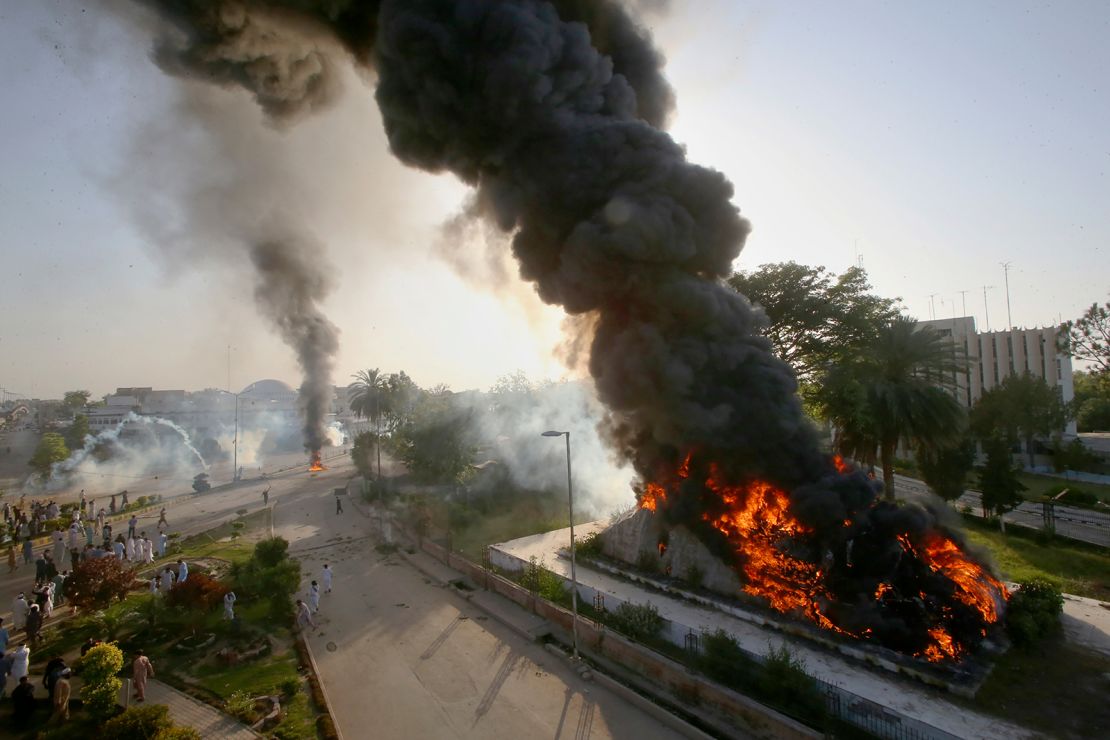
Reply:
x=319, y=682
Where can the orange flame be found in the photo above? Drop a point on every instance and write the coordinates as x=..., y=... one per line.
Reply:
x=760, y=529
x=841, y=465
x=974, y=585
x=316, y=466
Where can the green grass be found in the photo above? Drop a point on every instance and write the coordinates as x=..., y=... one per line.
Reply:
x=1037, y=485
x=262, y=676
x=1055, y=688
x=1020, y=556
x=214, y=543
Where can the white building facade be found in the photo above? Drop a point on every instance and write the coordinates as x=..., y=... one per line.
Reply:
x=995, y=355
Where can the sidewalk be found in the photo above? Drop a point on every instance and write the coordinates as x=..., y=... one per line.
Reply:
x=185, y=710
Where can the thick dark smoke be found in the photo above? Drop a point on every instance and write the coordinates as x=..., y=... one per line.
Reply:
x=290, y=286
x=553, y=112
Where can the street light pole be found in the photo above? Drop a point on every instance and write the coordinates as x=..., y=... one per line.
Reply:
x=573, y=571
x=235, y=443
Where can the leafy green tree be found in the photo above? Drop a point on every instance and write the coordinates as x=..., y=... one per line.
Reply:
x=75, y=400
x=1088, y=338
x=891, y=391
x=815, y=316
x=1091, y=404
x=270, y=574
x=362, y=453
x=365, y=394
x=998, y=481
x=76, y=432
x=52, y=449
x=1020, y=408
x=1034, y=612
x=945, y=469
x=436, y=443
x=1072, y=456
x=387, y=400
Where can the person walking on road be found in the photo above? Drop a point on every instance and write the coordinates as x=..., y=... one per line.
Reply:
x=338, y=504
x=141, y=670
x=325, y=576
x=23, y=702
x=131, y=524
x=21, y=662
x=314, y=596
x=304, y=616
x=266, y=496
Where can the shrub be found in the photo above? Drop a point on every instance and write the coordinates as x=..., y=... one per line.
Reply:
x=1034, y=612
x=271, y=575
x=199, y=592
x=101, y=687
x=545, y=584
x=290, y=686
x=240, y=705
x=271, y=552
x=94, y=583
x=588, y=546
x=784, y=683
x=640, y=622
x=138, y=723
x=723, y=660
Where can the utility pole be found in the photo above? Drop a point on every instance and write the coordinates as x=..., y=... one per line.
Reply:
x=932, y=306
x=963, y=295
x=986, y=311
x=1006, y=273
x=229, y=368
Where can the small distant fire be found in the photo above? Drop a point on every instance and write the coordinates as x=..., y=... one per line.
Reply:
x=919, y=594
x=316, y=466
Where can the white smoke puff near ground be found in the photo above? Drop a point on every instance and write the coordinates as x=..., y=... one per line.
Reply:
x=335, y=434
x=132, y=457
x=514, y=428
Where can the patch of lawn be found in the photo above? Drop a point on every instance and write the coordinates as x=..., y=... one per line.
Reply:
x=1037, y=485
x=1075, y=569
x=214, y=543
x=1056, y=688
x=262, y=676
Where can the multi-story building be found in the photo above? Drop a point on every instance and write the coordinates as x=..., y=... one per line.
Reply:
x=994, y=355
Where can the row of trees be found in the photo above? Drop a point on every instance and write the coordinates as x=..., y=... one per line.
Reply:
x=882, y=381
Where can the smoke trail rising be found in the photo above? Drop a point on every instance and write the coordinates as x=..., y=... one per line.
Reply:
x=291, y=284
x=108, y=436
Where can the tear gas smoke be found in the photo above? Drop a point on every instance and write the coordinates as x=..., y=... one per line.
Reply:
x=128, y=457
x=610, y=221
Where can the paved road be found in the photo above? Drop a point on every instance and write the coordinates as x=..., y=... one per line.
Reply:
x=402, y=657
x=1079, y=524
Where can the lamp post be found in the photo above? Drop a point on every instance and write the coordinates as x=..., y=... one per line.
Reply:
x=573, y=572
x=235, y=441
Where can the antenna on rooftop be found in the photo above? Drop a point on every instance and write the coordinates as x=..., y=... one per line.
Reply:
x=986, y=311
x=1006, y=273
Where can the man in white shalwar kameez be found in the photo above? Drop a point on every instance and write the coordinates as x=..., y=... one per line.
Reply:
x=314, y=596
x=325, y=576
x=132, y=556
x=229, y=606
x=182, y=571
x=19, y=612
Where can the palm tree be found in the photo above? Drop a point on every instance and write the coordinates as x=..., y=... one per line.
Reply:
x=895, y=390
x=364, y=396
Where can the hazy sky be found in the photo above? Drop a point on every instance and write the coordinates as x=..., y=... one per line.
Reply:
x=931, y=140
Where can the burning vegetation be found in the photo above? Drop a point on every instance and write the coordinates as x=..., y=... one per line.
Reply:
x=883, y=573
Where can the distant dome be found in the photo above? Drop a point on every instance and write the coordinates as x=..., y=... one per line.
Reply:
x=268, y=388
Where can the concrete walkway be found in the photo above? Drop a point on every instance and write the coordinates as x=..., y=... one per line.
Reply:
x=185, y=710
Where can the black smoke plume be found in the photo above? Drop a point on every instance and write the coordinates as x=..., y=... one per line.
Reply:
x=291, y=283
x=553, y=111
